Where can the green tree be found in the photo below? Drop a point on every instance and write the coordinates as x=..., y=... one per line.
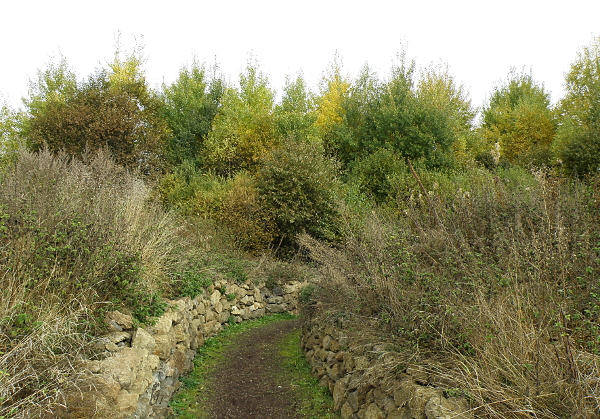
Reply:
x=577, y=142
x=520, y=120
x=296, y=113
x=438, y=90
x=189, y=106
x=10, y=122
x=113, y=108
x=244, y=129
x=412, y=125
x=298, y=186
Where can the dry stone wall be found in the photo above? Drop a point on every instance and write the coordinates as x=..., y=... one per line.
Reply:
x=138, y=369
x=369, y=382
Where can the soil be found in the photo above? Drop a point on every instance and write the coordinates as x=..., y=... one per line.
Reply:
x=251, y=383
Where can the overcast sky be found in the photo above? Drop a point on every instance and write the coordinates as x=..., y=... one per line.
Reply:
x=479, y=40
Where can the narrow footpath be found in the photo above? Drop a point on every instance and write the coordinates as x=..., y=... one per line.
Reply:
x=251, y=383
x=259, y=373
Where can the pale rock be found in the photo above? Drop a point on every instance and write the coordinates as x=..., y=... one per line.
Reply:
x=327, y=342
x=247, y=300
x=235, y=311
x=179, y=333
x=347, y=412
x=164, y=324
x=201, y=308
x=374, y=412
x=125, y=321
x=127, y=403
x=439, y=407
x=215, y=297
x=339, y=392
x=164, y=345
x=143, y=340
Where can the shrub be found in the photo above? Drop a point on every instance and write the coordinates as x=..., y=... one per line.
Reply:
x=76, y=239
x=251, y=224
x=298, y=185
x=499, y=294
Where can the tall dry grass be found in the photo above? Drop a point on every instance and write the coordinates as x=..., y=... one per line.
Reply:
x=499, y=292
x=77, y=238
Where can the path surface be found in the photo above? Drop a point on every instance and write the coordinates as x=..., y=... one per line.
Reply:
x=251, y=383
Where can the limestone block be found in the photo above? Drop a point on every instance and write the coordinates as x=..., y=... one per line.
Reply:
x=339, y=392
x=275, y=300
x=218, y=307
x=201, y=308
x=276, y=308
x=257, y=313
x=421, y=396
x=247, y=300
x=223, y=317
x=164, y=346
x=132, y=368
x=126, y=403
x=164, y=324
x=335, y=372
x=120, y=320
x=210, y=316
x=235, y=311
x=361, y=362
x=225, y=304
x=258, y=295
x=184, y=304
x=327, y=342
x=439, y=407
x=373, y=412
x=347, y=412
x=215, y=297
x=180, y=334
x=143, y=340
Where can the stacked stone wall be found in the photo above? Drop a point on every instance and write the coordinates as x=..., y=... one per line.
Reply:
x=138, y=368
x=368, y=381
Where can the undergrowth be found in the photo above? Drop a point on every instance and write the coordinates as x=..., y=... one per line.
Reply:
x=491, y=281
x=77, y=238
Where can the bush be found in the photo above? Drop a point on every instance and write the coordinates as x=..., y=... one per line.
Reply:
x=499, y=294
x=76, y=239
x=252, y=225
x=298, y=185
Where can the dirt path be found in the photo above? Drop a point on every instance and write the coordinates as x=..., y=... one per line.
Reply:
x=251, y=383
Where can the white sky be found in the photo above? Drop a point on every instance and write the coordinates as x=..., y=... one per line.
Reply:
x=479, y=39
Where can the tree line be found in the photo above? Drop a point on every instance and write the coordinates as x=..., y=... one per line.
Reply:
x=207, y=142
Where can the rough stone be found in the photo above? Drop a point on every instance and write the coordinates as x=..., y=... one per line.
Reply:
x=124, y=321
x=438, y=407
x=373, y=412
x=143, y=340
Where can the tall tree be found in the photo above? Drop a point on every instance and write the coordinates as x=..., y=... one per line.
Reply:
x=330, y=111
x=113, y=108
x=10, y=121
x=189, y=106
x=296, y=112
x=244, y=129
x=520, y=120
x=577, y=142
x=438, y=89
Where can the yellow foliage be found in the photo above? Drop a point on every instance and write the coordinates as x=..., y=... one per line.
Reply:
x=252, y=225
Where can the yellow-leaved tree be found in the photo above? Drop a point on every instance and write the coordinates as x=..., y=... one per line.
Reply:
x=520, y=120
x=330, y=111
x=244, y=129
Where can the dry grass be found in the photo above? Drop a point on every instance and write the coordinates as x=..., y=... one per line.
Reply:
x=77, y=238
x=499, y=292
